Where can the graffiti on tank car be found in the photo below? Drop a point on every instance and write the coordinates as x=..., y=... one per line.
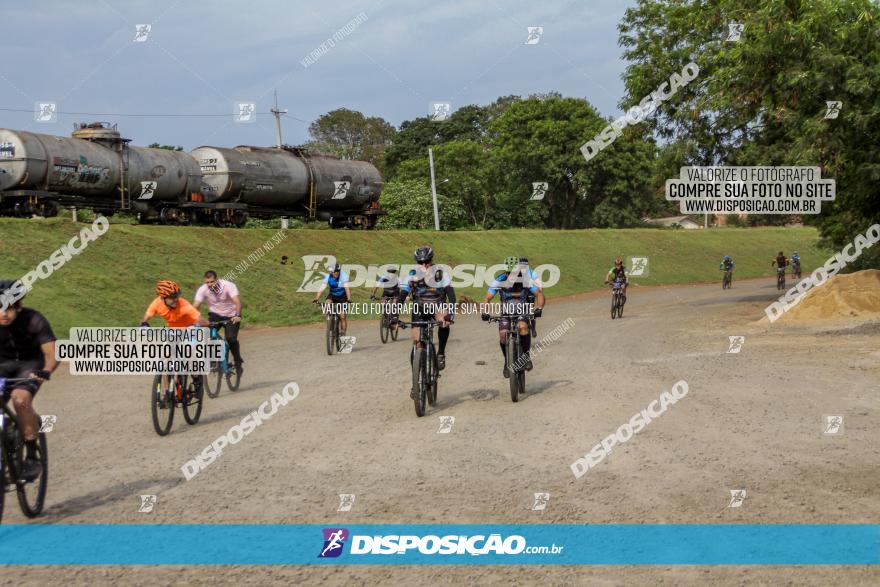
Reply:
x=7, y=150
x=157, y=171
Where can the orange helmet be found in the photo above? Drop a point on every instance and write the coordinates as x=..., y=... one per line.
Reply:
x=167, y=288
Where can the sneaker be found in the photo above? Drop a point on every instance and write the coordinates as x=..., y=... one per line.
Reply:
x=441, y=362
x=505, y=371
x=528, y=362
x=31, y=469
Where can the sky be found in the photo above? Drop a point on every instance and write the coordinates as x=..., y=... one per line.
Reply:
x=202, y=58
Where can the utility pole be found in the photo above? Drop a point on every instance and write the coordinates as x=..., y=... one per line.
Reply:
x=434, y=190
x=277, y=114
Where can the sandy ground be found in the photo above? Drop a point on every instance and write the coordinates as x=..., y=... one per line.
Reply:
x=751, y=420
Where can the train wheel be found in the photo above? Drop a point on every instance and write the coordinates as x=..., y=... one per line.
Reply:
x=49, y=209
x=239, y=218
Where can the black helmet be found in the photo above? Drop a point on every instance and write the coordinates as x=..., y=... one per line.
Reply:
x=424, y=254
x=7, y=284
x=334, y=268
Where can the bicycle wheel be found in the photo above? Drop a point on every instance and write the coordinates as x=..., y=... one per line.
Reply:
x=620, y=306
x=193, y=395
x=384, y=328
x=395, y=332
x=32, y=494
x=214, y=380
x=233, y=375
x=513, y=371
x=532, y=329
x=419, y=377
x=432, y=370
x=331, y=329
x=336, y=336
x=158, y=396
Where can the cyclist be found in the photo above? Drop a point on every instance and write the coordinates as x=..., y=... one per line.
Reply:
x=796, y=263
x=618, y=272
x=780, y=261
x=727, y=265
x=176, y=311
x=340, y=292
x=27, y=350
x=515, y=285
x=390, y=291
x=431, y=292
x=224, y=305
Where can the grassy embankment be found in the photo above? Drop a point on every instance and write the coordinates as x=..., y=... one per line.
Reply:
x=113, y=280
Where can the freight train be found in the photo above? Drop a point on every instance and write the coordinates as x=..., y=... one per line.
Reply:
x=97, y=168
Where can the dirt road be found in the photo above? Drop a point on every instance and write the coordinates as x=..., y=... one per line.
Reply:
x=752, y=420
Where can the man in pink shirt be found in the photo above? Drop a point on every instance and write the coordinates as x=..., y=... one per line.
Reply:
x=223, y=304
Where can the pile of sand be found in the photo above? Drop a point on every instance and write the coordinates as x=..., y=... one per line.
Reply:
x=856, y=295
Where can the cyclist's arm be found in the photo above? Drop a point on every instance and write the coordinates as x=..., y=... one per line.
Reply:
x=320, y=291
x=540, y=300
x=147, y=315
x=50, y=364
x=347, y=292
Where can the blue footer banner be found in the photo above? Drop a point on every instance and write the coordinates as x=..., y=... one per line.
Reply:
x=494, y=544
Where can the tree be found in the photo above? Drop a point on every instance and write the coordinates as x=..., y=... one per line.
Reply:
x=539, y=140
x=409, y=205
x=351, y=135
x=762, y=100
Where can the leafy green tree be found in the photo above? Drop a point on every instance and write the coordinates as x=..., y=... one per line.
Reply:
x=762, y=100
x=409, y=205
x=351, y=135
x=539, y=140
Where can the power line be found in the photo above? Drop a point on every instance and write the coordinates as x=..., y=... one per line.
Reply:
x=151, y=115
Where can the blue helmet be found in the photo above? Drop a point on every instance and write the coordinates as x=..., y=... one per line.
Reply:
x=726, y=258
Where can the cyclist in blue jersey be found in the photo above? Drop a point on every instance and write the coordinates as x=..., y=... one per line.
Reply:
x=340, y=293
x=433, y=299
x=515, y=285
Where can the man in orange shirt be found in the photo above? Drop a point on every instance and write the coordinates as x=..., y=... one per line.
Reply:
x=176, y=311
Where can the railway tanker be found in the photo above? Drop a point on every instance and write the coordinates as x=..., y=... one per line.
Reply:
x=97, y=168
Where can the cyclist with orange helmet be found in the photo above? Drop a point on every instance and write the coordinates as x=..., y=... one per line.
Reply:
x=176, y=311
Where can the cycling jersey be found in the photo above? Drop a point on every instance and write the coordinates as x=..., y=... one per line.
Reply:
x=337, y=289
x=423, y=292
x=781, y=261
x=618, y=273
x=728, y=265
x=183, y=315
x=514, y=287
x=219, y=298
x=21, y=340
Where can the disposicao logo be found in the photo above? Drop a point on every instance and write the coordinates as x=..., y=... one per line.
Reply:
x=334, y=540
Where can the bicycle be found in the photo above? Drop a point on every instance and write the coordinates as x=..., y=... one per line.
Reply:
x=31, y=494
x=727, y=280
x=334, y=342
x=188, y=393
x=780, y=278
x=516, y=366
x=617, y=299
x=222, y=368
x=385, y=329
x=425, y=369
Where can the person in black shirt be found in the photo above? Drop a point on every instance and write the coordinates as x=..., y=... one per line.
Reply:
x=27, y=350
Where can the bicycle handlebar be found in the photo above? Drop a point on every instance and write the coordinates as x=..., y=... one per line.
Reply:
x=420, y=323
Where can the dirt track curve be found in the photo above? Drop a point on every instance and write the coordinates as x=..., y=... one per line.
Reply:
x=750, y=421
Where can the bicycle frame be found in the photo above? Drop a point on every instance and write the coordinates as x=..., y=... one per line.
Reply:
x=215, y=335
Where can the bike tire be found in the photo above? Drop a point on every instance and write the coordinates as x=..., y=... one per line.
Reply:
x=331, y=343
x=395, y=332
x=512, y=359
x=233, y=375
x=32, y=495
x=384, y=328
x=156, y=389
x=620, y=307
x=613, y=307
x=213, y=381
x=337, y=337
x=2, y=478
x=418, y=377
x=193, y=399
x=433, y=370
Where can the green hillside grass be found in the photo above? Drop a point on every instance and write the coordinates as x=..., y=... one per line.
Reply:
x=113, y=280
